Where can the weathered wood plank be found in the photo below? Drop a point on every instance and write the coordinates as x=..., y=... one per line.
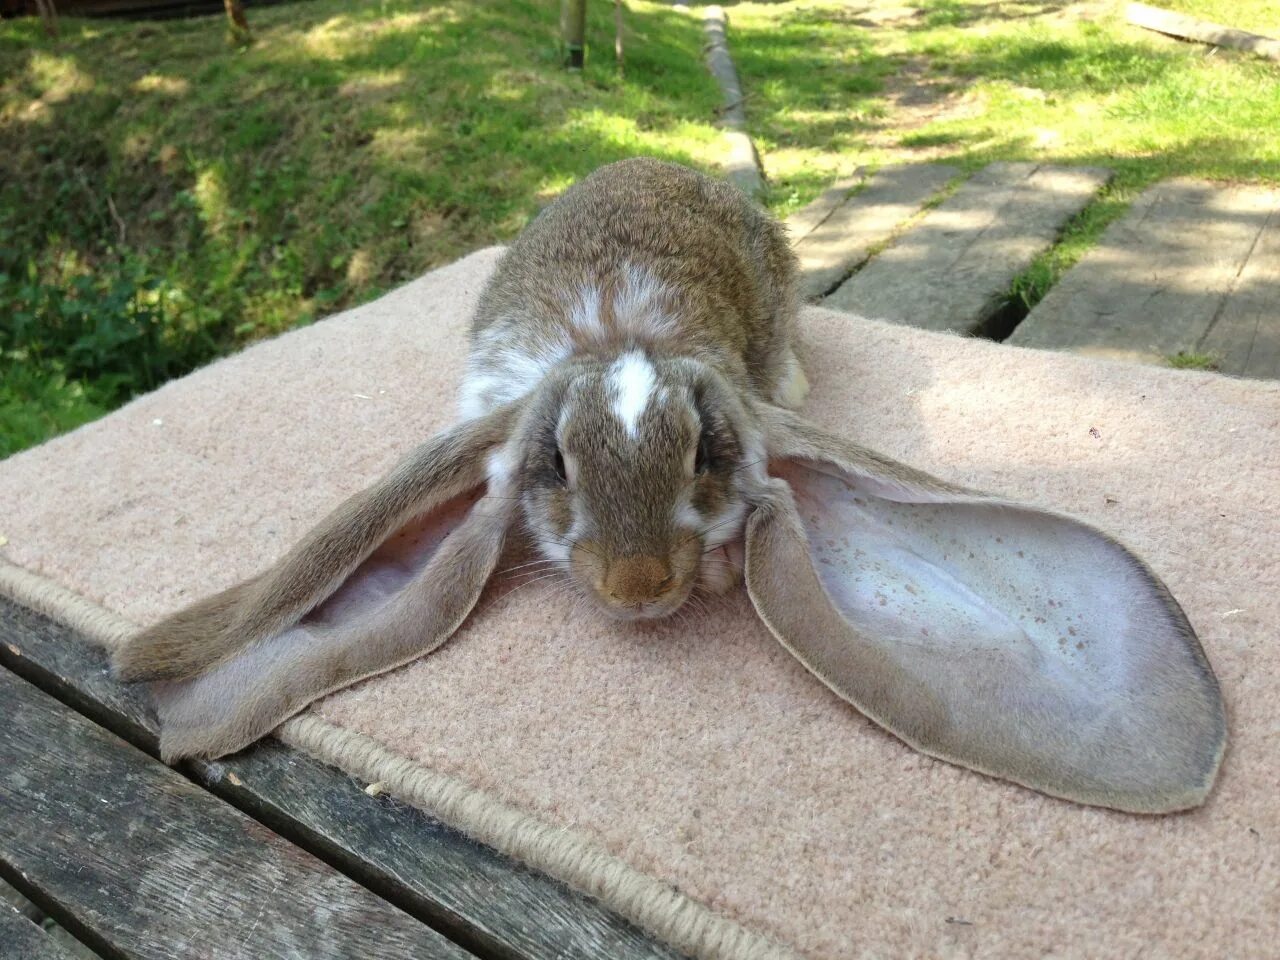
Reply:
x=1161, y=275
x=813, y=214
x=1245, y=338
x=20, y=939
x=1189, y=28
x=149, y=865
x=953, y=270
x=846, y=232
x=479, y=898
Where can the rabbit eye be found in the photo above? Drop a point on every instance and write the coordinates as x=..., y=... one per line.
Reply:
x=702, y=460
x=561, y=473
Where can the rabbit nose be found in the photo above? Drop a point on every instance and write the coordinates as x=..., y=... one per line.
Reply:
x=637, y=579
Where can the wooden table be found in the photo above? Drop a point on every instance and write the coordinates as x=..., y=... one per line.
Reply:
x=265, y=854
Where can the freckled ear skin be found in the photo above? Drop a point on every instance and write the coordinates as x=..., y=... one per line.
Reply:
x=385, y=578
x=1010, y=640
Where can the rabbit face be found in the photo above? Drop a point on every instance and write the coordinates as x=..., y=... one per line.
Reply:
x=635, y=480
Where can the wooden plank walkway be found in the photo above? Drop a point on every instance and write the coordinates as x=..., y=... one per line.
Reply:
x=953, y=270
x=489, y=905
x=21, y=939
x=1192, y=267
x=159, y=868
x=836, y=234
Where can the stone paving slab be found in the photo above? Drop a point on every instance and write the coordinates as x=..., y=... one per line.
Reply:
x=838, y=231
x=805, y=220
x=953, y=270
x=1192, y=267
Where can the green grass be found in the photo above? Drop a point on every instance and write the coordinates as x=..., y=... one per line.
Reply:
x=1263, y=17
x=1010, y=81
x=165, y=197
x=1193, y=361
x=1034, y=81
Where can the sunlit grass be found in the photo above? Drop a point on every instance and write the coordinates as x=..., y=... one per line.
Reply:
x=973, y=82
x=1263, y=18
x=1193, y=361
x=353, y=146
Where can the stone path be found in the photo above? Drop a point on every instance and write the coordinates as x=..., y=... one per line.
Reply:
x=953, y=270
x=1191, y=268
x=838, y=232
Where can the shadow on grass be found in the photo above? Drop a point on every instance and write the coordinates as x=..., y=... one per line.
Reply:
x=350, y=149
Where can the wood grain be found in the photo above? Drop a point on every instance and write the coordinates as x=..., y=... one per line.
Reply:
x=1244, y=338
x=848, y=232
x=1189, y=28
x=1190, y=267
x=480, y=899
x=20, y=939
x=149, y=865
x=953, y=270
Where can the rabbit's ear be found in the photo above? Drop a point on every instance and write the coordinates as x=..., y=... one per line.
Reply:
x=382, y=580
x=1003, y=638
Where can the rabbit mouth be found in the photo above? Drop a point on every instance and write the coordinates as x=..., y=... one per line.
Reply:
x=643, y=609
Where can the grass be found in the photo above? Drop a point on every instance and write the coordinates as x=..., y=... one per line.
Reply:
x=834, y=85
x=1184, y=360
x=877, y=82
x=166, y=197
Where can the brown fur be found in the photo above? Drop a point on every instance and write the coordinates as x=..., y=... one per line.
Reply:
x=214, y=630
x=728, y=265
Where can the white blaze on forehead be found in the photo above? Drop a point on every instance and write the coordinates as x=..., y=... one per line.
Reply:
x=633, y=381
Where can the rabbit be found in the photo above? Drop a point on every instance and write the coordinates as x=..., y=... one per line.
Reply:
x=636, y=312
x=630, y=406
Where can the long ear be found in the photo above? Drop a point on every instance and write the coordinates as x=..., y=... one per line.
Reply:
x=384, y=579
x=1003, y=638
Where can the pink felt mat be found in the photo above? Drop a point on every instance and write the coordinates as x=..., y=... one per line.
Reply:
x=698, y=750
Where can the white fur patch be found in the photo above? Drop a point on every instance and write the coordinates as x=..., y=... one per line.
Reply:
x=793, y=387
x=687, y=517
x=554, y=549
x=639, y=306
x=499, y=374
x=584, y=314
x=725, y=525
x=633, y=381
x=501, y=469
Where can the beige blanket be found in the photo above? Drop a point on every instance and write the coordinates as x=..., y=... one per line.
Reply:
x=699, y=754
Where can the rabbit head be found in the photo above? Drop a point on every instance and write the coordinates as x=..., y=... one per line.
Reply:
x=634, y=476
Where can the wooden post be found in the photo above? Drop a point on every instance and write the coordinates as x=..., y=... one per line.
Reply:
x=48, y=16
x=573, y=28
x=617, y=34
x=236, y=17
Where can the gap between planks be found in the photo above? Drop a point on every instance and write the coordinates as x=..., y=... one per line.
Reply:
x=139, y=862
x=952, y=270
x=1191, y=267
x=491, y=905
